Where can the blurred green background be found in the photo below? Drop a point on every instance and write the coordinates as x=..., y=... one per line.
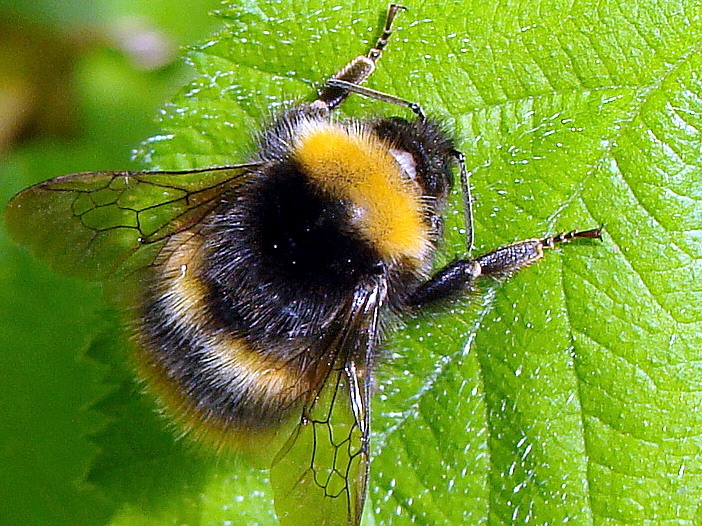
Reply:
x=81, y=85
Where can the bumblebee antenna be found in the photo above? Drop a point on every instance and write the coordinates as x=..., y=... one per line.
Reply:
x=467, y=199
x=415, y=107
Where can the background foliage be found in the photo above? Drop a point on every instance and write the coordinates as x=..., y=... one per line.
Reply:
x=570, y=392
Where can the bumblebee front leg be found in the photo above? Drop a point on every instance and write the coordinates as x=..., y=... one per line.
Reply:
x=460, y=275
x=360, y=68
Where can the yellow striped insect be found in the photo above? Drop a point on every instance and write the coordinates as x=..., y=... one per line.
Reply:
x=258, y=293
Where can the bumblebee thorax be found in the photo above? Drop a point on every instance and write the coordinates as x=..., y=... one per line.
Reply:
x=350, y=163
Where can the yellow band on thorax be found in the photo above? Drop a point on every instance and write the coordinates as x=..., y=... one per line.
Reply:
x=357, y=167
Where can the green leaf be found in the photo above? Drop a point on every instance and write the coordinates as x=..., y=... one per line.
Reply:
x=568, y=392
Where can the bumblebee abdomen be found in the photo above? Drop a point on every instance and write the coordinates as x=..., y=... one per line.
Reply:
x=209, y=373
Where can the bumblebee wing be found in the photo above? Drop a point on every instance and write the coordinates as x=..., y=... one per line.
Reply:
x=90, y=224
x=321, y=474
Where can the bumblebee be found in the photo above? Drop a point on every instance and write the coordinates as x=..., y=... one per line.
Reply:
x=258, y=294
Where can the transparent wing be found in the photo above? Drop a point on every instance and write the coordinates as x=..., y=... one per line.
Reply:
x=321, y=474
x=90, y=224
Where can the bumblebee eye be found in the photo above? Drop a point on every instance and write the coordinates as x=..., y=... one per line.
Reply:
x=406, y=162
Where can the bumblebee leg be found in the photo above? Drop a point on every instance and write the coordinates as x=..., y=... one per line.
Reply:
x=460, y=275
x=360, y=68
